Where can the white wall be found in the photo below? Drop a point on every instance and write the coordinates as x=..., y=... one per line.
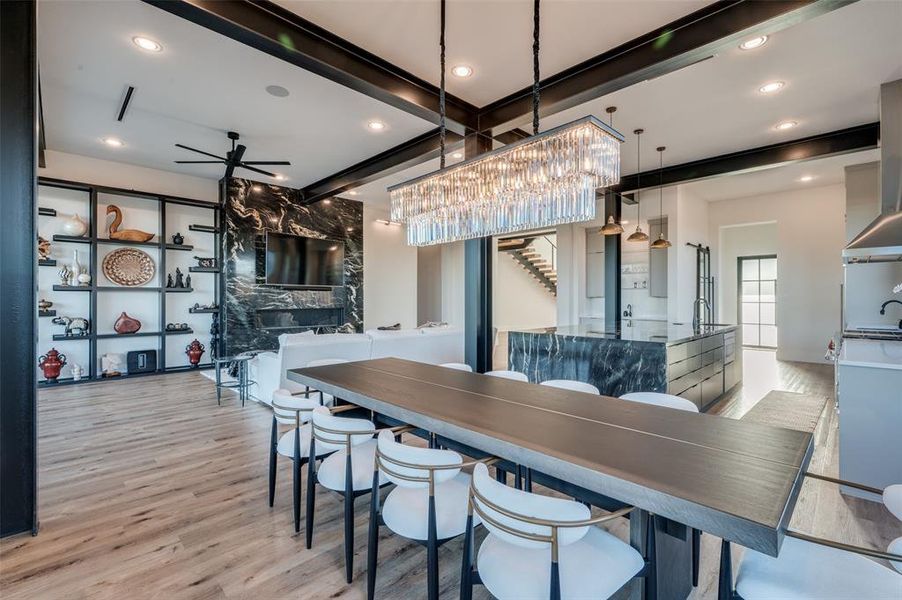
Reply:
x=734, y=241
x=862, y=197
x=453, y=307
x=689, y=227
x=520, y=301
x=389, y=273
x=429, y=284
x=83, y=169
x=810, y=238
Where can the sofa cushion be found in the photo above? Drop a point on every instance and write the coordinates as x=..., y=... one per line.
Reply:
x=291, y=338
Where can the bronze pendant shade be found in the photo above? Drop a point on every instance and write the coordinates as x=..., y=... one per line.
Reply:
x=612, y=228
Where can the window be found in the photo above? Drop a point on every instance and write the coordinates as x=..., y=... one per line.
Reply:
x=758, y=300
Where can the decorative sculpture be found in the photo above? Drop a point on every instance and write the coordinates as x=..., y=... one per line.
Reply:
x=194, y=350
x=76, y=372
x=129, y=235
x=43, y=249
x=188, y=282
x=75, y=326
x=84, y=278
x=64, y=275
x=177, y=239
x=126, y=324
x=179, y=279
x=52, y=363
x=110, y=364
x=169, y=283
x=44, y=304
x=205, y=263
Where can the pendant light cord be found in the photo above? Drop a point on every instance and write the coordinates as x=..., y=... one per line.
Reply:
x=535, y=68
x=660, y=182
x=638, y=175
x=441, y=92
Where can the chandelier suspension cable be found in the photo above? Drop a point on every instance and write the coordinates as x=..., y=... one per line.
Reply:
x=535, y=68
x=441, y=91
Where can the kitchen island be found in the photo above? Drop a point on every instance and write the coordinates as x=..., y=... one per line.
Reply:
x=642, y=356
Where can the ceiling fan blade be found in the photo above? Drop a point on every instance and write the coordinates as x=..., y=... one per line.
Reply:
x=266, y=162
x=198, y=151
x=199, y=162
x=255, y=169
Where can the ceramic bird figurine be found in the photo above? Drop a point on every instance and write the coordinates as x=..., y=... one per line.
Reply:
x=129, y=235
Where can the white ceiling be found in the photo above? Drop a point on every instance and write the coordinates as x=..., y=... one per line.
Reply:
x=832, y=65
x=494, y=37
x=200, y=86
x=825, y=171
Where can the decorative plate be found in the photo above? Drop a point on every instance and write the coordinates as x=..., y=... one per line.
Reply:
x=128, y=266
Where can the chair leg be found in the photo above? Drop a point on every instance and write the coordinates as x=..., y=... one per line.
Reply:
x=372, y=550
x=501, y=475
x=725, y=580
x=651, y=575
x=696, y=555
x=273, y=457
x=555, y=581
x=297, y=480
x=527, y=483
x=466, y=568
x=432, y=554
x=311, y=493
x=218, y=385
x=349, y=520
x=518, y=478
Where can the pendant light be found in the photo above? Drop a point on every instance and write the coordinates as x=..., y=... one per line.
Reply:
x=662, y=243
x=611, y=227
x=638, y=235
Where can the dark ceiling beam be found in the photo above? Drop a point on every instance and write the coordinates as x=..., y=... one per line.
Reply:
x=679, y=44
x=279, y=32
x=843, y=141
x=514, y=135
x=412, y=152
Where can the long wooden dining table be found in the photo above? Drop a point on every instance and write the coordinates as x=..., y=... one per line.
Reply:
x=733, y=479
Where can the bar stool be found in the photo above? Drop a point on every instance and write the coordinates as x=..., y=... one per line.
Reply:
x=540, y=547
x=348, y=469
x=572, y=384
x=428, y=506
x=504, y=374
x=677, y=403
x=457, y=366
x=291, y=410
x=326, y=399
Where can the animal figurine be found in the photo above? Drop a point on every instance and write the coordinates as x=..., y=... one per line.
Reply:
x=129, y=235
x=205, y=262
x=74, y=325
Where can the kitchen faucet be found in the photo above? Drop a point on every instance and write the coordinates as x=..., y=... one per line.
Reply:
x=696, y=312
x=883, y=309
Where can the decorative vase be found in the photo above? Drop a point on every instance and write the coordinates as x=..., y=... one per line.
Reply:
x=84, y=278
x=75, y=226
x=51, y=363
x=194, y=350
x=75, y=269
x=126, y=324
x=76, y=372
x=177, y=239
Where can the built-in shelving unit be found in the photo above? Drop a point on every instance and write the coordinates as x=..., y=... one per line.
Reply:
x=46, y=262
x=99, y=302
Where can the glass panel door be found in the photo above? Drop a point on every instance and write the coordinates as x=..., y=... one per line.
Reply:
x=758, y=300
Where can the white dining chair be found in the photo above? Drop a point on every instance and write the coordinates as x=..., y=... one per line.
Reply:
x=348, y=469
x=292, y=410
x=892, y=500
x=457, y=366
x=540, y=547
x=659, y=399
x=327, y=399
x=505, y=374
x=429, y=504
x=572, y=384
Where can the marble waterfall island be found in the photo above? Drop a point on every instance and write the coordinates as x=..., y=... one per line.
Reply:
x=641, y=356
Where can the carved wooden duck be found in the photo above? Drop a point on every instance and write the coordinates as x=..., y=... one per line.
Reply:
x=130, y=235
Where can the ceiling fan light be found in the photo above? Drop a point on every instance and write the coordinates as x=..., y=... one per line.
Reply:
x=611, y=228
x=638, y=235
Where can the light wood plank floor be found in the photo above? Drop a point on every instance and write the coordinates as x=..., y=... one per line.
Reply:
x=149, y=490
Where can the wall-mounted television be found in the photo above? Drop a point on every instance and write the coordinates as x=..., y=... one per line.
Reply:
x=293, y=260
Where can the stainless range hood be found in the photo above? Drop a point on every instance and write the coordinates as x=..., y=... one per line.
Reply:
x=881, y=240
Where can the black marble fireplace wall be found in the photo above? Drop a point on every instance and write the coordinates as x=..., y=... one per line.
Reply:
x=251, y=209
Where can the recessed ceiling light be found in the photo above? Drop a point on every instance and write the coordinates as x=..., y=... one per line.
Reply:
x=276, y=90
x=457, y=155
x=257, y=188
x=771, y=87
x=147, y=44
x=785, y=125
x=755, y=42
x=327, y=201
x=280, y=177
x=376, y=125
x=806, y=178
x=350, y=229
x=462, y=71
x=353, y=192
x=114, y=142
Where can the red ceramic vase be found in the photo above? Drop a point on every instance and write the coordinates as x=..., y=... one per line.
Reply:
x=51, y=363
x=126, y=324
x=194, y=350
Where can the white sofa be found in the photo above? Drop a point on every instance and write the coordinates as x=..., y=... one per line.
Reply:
x=431, y=345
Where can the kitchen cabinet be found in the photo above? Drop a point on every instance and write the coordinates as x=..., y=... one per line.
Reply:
x=695, y=369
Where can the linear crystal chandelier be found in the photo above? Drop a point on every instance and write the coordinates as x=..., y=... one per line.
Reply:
x=547, y=179
x=543, y=180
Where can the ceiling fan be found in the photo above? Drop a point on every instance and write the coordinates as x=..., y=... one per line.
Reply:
x=232, y=158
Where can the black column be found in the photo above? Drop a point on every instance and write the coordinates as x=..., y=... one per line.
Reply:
x=478, y=332
x=612, y=259
x=18, y=159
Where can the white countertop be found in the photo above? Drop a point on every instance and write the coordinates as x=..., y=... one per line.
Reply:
x=881, y=354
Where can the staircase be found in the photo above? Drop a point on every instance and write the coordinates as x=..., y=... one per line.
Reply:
x=524, y=252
